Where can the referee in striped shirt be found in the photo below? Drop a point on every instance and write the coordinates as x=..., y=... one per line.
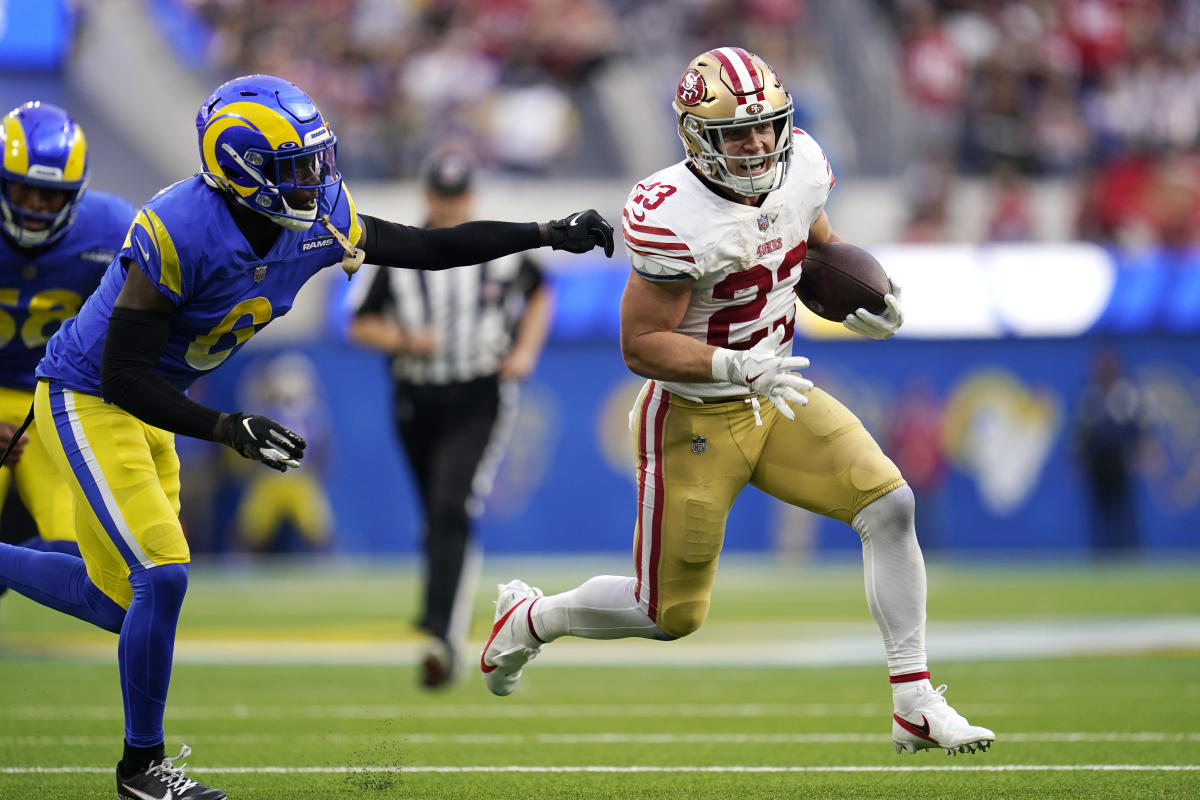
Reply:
x=460, y=341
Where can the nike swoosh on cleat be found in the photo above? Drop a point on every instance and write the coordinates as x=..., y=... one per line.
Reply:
x=485, y=667
x=921, y=730
x=170, y=795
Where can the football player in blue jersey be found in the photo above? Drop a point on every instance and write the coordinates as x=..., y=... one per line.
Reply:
x=56, y=239
x=206, y=264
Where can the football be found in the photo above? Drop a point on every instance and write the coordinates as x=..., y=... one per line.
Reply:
x=839, y=278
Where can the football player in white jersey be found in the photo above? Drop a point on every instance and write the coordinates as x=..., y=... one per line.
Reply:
x=717, y=243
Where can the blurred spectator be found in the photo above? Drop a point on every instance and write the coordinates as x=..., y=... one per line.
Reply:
x=1110, y=430
x=1142, y=199
x=926, y=184
x=1061, y=139
x=997, y=127
x=1010, y=218
x=934, y=72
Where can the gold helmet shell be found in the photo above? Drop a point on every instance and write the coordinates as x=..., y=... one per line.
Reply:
x=727, y=88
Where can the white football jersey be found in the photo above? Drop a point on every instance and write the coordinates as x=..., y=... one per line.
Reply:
x=743, y=261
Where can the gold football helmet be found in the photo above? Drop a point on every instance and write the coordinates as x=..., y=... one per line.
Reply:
x=725, y=89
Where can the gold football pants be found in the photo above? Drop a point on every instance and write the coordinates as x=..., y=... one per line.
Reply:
x=42, y=489
x=124, y=478
x=693, y=460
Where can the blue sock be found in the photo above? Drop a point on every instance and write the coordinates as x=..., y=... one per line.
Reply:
x=60, y=581
x=146, y=648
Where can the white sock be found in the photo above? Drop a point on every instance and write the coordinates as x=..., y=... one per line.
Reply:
x=602, y=608
x=906, y=695
x=894, y=573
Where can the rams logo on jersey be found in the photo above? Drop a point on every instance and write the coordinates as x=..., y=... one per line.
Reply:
x=316, y=244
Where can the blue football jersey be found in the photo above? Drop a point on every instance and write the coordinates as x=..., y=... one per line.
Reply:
x=42, y=288
x=187, y=243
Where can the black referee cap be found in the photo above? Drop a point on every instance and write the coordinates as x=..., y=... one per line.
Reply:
x=448, y=174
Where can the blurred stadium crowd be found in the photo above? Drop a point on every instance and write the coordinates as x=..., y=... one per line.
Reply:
x=1102, y=93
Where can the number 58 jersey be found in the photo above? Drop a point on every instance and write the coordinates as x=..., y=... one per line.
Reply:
x=39, y=289
x=743, y=261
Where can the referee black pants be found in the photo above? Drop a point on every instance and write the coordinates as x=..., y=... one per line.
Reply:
x=446, y=432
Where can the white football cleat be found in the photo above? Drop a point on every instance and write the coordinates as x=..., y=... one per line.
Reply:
x=929, y=722
x=511, y=646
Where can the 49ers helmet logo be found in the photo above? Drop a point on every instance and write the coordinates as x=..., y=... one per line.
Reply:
x=691, y=88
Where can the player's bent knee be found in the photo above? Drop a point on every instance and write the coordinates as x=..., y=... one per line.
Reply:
x=166, y=583
x=681, y=619
x=899, y=504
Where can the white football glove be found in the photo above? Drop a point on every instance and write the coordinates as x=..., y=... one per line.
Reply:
x=764, y=372
x=878, y=326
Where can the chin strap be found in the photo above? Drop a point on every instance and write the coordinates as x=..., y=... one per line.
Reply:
x=353, y=259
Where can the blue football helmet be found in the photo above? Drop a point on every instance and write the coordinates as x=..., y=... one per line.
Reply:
x=44, y=150
x=264, y=142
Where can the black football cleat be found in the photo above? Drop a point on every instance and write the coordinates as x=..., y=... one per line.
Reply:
x=162, y=780
x=439, y=667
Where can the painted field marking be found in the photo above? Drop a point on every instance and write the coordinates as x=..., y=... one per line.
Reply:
x=722, y=645
x=632, y=769
x=1081, y=737
x=488, y=711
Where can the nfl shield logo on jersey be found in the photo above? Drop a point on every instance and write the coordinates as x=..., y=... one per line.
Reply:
x=699, y=444
x=260, y=272
x=763, y=222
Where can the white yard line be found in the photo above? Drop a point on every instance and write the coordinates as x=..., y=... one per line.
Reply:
x=785, y=645
x=485, y=739
x=485, y=711
x=346, y=770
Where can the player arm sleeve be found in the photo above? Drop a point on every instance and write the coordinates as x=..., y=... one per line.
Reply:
x=390, y=244
x=135, y=341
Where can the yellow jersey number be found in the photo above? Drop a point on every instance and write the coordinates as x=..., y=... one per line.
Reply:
x=47, y=310
x=203, y=353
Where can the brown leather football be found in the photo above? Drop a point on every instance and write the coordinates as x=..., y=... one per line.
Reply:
x=838, y=278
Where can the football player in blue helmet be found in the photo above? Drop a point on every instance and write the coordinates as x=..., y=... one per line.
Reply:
x=264, y=142
x=56, y=240
x=42, y=175
x=207, y=263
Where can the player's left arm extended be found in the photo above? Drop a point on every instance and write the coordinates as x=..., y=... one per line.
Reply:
x=390, y=244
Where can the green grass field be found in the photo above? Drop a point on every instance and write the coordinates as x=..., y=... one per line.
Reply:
x=295, y=682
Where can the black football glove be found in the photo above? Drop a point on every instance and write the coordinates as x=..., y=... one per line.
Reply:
x=581, y=232
x=261, y=439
